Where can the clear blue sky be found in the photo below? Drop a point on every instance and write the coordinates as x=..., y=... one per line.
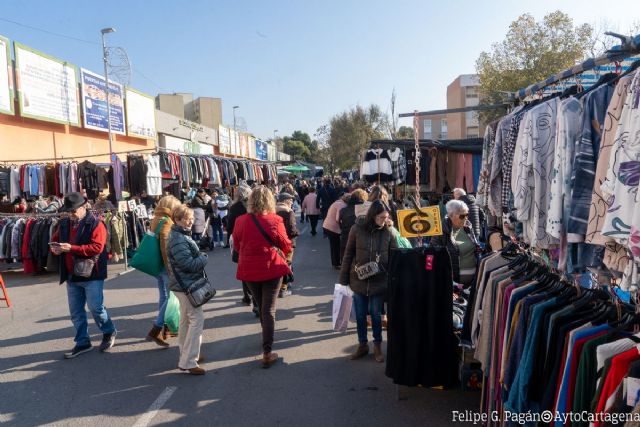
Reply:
x=292, y=64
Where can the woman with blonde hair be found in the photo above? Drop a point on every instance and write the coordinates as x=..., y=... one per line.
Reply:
x=186, y=266
x=262, y=244
x=162, y=214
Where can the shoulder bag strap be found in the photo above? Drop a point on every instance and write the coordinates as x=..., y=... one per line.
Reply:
x=159, y=226
x=266, y=236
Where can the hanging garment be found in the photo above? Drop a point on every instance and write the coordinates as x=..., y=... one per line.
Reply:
x=116, y=184
x=422, y=346
x=137, y=174
x=599, y=204
x=154, y=176
x=532, y=172
x=584, y=166
x=621, y=184
x=376, y=166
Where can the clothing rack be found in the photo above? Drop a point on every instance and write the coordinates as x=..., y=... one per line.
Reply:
x=150, y=150
x=630, y=46
x=215, y=156
x=469, y=145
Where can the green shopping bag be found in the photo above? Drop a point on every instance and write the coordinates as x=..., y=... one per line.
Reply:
x=172, y=313
x=148, y=257
x=402, y=242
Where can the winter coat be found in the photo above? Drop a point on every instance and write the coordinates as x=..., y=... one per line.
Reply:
x=332, y=221
x=198, y=221
x=258, y=261
x=236, y=210
x=163, y=234
x=445, y=240
x=362, y=248
x=198, y=202
x=476, y=215
x=347, y=218
x=289, y=219
x=309, y=205
x=185, y=259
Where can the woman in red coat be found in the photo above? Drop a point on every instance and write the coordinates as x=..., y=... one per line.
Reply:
x=262, y=244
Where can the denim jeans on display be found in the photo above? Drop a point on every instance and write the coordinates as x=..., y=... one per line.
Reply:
x=163, y=292
x=91, y=294
x=371, y=305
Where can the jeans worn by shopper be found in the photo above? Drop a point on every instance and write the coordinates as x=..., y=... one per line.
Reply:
x=163, y=292
x=266, y=294
x=91, y=294
x=368, y=305
x=218, y=234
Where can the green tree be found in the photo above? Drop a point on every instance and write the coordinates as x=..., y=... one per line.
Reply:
x=350, y=132
x=405, y=132
x=530, y=52
x=296, y=149
x=299, y=136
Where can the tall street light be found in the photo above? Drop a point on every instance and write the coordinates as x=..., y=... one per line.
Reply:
x=235, y=107
x=105, y=59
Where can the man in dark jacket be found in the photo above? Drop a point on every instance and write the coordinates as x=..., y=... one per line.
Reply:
x=303, y=190
x=284, y=210
x=326, y=196
x=81, y=240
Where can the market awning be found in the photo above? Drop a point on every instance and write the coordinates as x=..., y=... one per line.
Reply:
x=295, y=168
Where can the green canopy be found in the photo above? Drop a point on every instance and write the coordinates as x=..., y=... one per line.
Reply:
x=295, y=168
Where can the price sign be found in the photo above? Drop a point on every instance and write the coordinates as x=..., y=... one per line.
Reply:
x=132, y=205
x=141, y=211
x=423, y=224
x=122, y=206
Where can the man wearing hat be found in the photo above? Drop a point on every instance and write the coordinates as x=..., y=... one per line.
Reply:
x=81, y=240
x=284, y=209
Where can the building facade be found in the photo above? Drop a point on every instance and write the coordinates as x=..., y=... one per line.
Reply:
x=463, y=92
x=204, y=110
x=433, y=127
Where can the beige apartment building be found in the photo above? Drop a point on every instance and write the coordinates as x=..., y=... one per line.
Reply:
x=204, y=110
x=462, y=92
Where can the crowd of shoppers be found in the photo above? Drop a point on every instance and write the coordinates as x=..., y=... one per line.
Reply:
x=262, y=230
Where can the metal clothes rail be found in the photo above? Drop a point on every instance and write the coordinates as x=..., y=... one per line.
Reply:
x=630, y=46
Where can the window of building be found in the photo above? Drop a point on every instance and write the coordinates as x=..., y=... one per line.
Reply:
x=443, y=129
x=426, y=129
x=471, y=91
x=473, y=132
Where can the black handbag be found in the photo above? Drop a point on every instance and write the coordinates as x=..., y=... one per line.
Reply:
x=289, y=277
x=200, y=291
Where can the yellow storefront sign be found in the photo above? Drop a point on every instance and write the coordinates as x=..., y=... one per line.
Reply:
x=414, y=224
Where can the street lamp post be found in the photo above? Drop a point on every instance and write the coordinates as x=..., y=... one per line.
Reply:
x=235, y=107
x=106, y=79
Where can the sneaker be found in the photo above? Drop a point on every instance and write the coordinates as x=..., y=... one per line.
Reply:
x=78, y=350
x=108, y=340
x=284, y=293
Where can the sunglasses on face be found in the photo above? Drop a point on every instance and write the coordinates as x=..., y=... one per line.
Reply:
x=463, y=216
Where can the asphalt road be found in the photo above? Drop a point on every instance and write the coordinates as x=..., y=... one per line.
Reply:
x=137, y=383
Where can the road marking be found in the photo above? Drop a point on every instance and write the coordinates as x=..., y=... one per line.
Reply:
x=146, y=418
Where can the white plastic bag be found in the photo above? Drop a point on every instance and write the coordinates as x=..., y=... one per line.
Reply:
x=342, y=305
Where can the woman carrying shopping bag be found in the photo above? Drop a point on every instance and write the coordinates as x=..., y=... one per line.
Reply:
x=364, y=269
x=186, y=266
x=162, y=213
